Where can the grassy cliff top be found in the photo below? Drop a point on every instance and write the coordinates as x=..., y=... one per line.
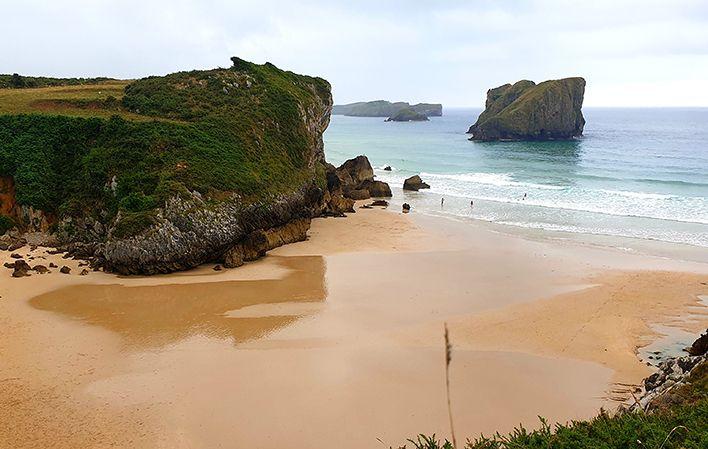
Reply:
x=107, y=146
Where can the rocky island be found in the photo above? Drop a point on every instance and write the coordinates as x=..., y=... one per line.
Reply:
x=550, y=110
x=408, y=115
x=168, y=172
x=382, y=108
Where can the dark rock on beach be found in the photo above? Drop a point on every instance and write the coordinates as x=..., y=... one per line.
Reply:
x=65, y=270
x=406, y=208
x=551, y=110
x=414, y=183
x=21, y=269
x=387, y=168
x=700, y=346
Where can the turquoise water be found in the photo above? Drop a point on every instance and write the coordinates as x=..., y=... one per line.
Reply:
x=639, y=173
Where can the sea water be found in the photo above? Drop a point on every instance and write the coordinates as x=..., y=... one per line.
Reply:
x=639, y=173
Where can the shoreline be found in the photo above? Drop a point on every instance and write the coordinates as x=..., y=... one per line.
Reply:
x=354, y=331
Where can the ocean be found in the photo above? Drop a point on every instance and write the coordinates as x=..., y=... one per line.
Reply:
x=640, y=173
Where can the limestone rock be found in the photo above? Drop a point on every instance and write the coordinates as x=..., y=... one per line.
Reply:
x=415, y=183
x=550, y=110
x=356, y=170
x=378, y=189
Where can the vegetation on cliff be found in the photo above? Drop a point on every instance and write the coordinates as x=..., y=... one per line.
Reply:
x=382, y=108
x=110, y=148
x=528, y=111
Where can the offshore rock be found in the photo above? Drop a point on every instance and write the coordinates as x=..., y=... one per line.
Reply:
x=415, y=183
x=551, y=110
x=407, y=115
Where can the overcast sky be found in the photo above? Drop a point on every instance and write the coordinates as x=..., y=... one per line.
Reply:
x=631, y=52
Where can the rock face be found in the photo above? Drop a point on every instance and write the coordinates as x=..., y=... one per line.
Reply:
x=354, y=180
x=414, y=183
x=550, y=110
x=407, y=115
x=381, y=108
x=700, y=346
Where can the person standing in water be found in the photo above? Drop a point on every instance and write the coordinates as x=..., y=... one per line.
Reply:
x=442, y=201
x=522, y=199
x=471, y=203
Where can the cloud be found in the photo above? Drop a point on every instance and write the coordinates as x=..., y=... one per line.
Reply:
x=412, y=50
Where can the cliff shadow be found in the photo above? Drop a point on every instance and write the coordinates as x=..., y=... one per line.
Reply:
x=155, y=316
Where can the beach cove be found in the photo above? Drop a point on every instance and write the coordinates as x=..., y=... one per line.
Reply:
x=338, y=340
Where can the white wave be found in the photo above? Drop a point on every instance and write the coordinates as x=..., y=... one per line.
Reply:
x=495, y=179
x=638, y=195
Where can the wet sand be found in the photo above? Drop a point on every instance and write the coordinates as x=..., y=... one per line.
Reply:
x=336, y=341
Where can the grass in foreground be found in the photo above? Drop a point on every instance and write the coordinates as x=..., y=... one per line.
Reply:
x=680, y=421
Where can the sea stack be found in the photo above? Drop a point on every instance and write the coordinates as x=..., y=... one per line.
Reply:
x=525, y=110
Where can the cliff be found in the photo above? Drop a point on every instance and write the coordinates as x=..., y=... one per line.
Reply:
x=165, y=172
x=381, y=108
x=527, y=111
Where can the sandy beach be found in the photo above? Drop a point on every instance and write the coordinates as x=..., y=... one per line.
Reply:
x=336, y=341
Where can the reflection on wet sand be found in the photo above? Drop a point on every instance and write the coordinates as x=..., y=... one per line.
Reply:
x=153, y=316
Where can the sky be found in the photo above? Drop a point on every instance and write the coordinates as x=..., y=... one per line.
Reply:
x=631, y=52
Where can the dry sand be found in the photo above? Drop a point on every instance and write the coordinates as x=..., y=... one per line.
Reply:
x=334, y=342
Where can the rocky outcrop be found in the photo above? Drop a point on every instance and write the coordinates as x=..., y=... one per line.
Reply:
x=700, y=346
x=189, y=232
x=355, y=171
x=415, y=183
x=666, y=384
x=381, y=108
x=256, y=244
x=354, y=180
x=550, y=110
x=407, y=115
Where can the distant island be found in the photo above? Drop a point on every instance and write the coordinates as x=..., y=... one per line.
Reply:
x=525, y=110
x=382, y=108
x=408, y=115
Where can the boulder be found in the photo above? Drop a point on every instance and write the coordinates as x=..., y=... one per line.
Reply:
x=378, y=189
x=387, y=168
x=551, y=110
x=700, y=346
x=414, y=183
x=354, y=179
x=65, y=270
x=355, y=170
x=383, y=203
x=406, y=208
x=84, y=272
x=52, y=265
x=357, y=194
x=217, y=267
x=16, y=256
x=21, y=269
x=41, y=269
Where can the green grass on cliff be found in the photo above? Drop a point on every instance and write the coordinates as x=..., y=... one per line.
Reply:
x=96, y=149
x=680, y=422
